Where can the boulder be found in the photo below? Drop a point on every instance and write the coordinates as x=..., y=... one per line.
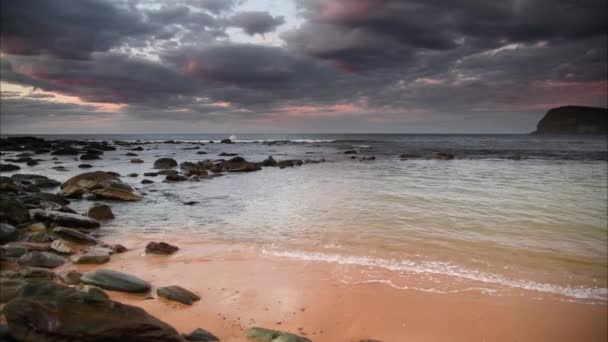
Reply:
x=60, y=247
x=36, y=273
x=118, y=195
x=71, y=277
x=45, y=311
x=13, y=251
x=11, y=288
x=100, y=211
x=74, y=236
x=37, y=180
x=115, y=281
x=8, y=184
x=73, y=191
x=162, y=248
x=38, y=197
x=41, y=259
x=13, y=211
x=176, y=178
x=64, y=219
x=167, y=172
x=146, y=181
x=7, y=233
x=200, y=335
x=270, y=161
x=8, y=167
x=94, y=291
x=90, y=180
x=262, y=334
x=91, y=257
x=165, y=163
x=178, y=294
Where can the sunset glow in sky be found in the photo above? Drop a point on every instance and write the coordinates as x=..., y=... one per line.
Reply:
x=216, y=66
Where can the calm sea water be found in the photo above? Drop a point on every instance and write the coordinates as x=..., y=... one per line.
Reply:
x=539, y=223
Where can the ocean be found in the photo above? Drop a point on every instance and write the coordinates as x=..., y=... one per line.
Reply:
x=509, y=213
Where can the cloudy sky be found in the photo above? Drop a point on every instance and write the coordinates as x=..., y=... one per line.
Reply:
x=236, y=66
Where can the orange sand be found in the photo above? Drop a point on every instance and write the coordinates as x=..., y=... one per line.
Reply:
x=240, y=289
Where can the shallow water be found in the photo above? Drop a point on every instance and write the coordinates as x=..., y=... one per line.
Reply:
x=539, y=223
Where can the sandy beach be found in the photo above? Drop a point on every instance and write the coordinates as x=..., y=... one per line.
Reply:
x=239, y=289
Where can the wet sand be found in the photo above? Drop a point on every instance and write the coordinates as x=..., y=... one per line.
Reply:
x=241, y=288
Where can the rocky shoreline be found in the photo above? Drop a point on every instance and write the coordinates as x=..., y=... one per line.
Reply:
x=40, y=232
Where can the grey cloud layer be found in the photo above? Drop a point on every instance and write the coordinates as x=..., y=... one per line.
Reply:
x=387, y=57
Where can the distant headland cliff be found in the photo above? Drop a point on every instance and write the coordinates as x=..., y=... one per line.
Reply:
x=574, y=120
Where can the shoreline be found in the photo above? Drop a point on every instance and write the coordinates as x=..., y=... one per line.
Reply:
x=240, y=290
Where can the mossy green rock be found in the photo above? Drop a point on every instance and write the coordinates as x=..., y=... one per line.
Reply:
x=262, y=334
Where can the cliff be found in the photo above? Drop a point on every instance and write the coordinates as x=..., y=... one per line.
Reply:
x=574, y=120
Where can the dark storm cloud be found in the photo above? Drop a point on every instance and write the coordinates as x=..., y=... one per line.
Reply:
x=368, y=60
x=255, y=22
x=67, y=29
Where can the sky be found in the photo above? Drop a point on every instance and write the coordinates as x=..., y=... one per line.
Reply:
x=297, y=66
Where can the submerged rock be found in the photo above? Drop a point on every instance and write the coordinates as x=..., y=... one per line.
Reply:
x=162, y=248
x=45, y=311
x=116, y=281
x=41, y=259
x=8, y=167
x=178, y=294
x=262, y=334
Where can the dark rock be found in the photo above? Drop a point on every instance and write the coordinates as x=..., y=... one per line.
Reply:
x=118, y=248
x=224, y=154
x=94, y=152
x=200, y=335
x=41, y=259
x=165, y=163
x=405, y=156
x=89, y=157
x=350, y=152
x=65, y=152
x=115, y=281
x=131, y=154
x=5, y=335
x=100, y=211
x=190, y=168
x=136, y=161
x=191, y=203
x=226, y=141
x=151, y=174
x=289, y=163
x=574, y=120
x=94, y=291
x=13, y=251
x=178, y=294
x=45, y=311
x=36, y=273
x=161, y=248
x=85, y=166
x=74, y=236
x=201, y=152
x=71, y=277
x=36, y=198
x=262, y=334
x=42, y=151
x=146, y=181
x=133, y=174
x=442, y=156
x=64, y=219
x=13, y=211
x=91, y=257
x=11, y=289
x=8, y=184
x=269, y=161
x=368, y=158
x=139, y=148
x=8, y=233
x=31, y=163
x=176, y=178
x=167, y=172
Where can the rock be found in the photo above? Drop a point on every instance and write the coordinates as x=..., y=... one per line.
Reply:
x=5, y=335
x=8, y=167
x=37, y=197
x=100, y=211
x=165, y=163
x=224, y=154
x=368, y=158
x=190, y=169
x=90, y=180
x=37, y=180
x=262, y=334
x=167, y=172
x=94, y=291
x=65, y=152
x=442, y=156
x=136, y=161
x=13, y=251
x=7, y=233
x=289, y=163
x=64, y=219
x=178, y=294
x=85, y=166
x=269, y=161
x=191, y=202
x=39, y=237
x=133, y=175
x=162, y=248
x=116, y=195
x=115, y=281
x=176, y=178
x=201, y=152
x=60, y=247
x=91, y=257
x=73, y=191
x=31, y=246
x=41, y=259
x=71, y=277
x=32, y=163
x=74, y=236
x=146, y=181
x=13, y=211
x=350, y=152
x=226, y=141
x=11, y=289
x=574, y=120
x=37, y=227
x=200, y=335
x=36, y=273
x=8, y=184
x=131, y=154
x=151, y=174
x=89, y=157
x=45, y=311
